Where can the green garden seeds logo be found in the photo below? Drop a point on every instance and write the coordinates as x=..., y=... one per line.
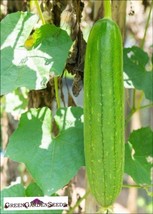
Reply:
x=32, y=203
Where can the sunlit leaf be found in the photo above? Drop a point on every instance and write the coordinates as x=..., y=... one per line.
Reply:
x=139, y=156
x=48, y=158
x=29, y=60
x=135, y=62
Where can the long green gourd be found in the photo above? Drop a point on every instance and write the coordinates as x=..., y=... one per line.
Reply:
x=104, y=111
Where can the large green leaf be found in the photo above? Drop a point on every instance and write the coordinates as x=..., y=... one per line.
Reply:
x=52, y=161
x=19, y=25
x=30, y=67
x=137, y=155
x=135, y=61
x=19, y=191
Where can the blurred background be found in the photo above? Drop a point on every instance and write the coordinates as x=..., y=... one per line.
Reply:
x=131, y=15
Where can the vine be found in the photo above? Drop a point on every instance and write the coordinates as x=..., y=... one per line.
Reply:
x=134, y=109
x=55, y=78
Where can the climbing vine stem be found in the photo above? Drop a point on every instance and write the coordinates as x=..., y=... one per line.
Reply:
x=72, y=209
x=57, y=92
x=146, y=27
x=55, y=78
x=40, y=12
x=136, y=109
x=139, y=107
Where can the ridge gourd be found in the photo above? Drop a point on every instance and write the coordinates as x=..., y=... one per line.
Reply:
x=104, y=111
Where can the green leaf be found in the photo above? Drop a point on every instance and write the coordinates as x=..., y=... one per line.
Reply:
x=56, y=43
x=12, y=191
x=19, y=191
x=137, y=154
x=33, y=190
x=73, y=117
x=16, y=102
x=135, y=61
x=19, y=25
x=48, y=158
x=32, y=67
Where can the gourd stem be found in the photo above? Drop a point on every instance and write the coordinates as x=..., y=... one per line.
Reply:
x=55, y=78
x=140, y=100
x=135, y=110
x=146, y=27
x=108, y=210
x=146, y=106
x=142, y=46
x=136, y=186
x=107, y=9
x=57, y=92
x=71, y=211
x=40, y=12
x=134, y=94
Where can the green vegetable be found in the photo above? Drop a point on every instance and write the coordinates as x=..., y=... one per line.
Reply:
x=104, y=111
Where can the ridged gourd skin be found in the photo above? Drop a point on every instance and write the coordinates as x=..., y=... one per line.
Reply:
x=104, y=111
